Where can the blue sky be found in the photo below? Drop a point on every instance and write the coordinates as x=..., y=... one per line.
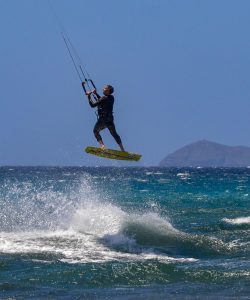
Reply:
x=180, y=70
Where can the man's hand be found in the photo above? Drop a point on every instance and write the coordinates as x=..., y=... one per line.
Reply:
x=94, y=91
x=88, y=93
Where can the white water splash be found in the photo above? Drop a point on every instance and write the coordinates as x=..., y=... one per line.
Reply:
x=77, y=225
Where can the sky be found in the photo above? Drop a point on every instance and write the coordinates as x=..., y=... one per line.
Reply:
x=180, y=69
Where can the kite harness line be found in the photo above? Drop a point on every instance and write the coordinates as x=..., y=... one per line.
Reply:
x=86, y=81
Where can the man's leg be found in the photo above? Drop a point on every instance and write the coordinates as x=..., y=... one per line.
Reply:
x=112, y=130
x=98, y=127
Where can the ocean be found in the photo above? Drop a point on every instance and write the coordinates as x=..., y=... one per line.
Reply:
x=124, y=233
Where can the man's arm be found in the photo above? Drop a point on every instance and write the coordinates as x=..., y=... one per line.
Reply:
x=97, y=95
x=98, y=102
x=88, y=94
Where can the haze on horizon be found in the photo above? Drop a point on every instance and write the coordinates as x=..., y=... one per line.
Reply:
x=180, y=71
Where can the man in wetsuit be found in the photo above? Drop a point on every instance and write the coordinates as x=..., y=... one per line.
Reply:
x=104, y=106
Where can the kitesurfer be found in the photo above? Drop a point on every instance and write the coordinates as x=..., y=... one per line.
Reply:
x=104, y=106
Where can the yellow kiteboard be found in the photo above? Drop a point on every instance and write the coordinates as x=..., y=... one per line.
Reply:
x=113, y=154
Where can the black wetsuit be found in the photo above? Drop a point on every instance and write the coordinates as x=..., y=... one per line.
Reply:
x=105, y=117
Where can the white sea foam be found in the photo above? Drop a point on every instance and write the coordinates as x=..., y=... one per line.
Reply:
x=100, y=244
x=237, y=221
x=153, y=173
x=141, y=180
x=185, y=175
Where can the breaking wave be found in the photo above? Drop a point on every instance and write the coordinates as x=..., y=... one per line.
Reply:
x=79, y=224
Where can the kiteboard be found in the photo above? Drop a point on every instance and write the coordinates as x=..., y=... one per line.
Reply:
x=113, y=154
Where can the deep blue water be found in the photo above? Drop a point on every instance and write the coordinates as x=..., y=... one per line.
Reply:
x=124, y=233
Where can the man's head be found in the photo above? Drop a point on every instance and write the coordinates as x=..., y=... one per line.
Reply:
x=108, y=90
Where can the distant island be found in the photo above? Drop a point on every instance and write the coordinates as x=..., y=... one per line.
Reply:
x=208, y=154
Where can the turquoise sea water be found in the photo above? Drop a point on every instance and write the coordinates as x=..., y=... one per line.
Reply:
x=124, y=233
